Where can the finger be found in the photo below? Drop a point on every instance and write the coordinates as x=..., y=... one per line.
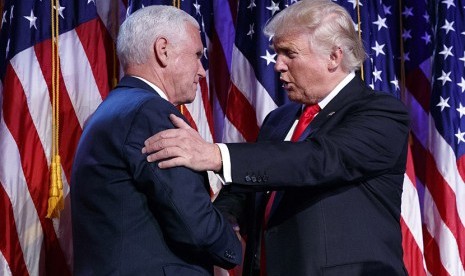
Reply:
x=160, y=136
x=178, y=122
x=166, y=153
x=170, y=163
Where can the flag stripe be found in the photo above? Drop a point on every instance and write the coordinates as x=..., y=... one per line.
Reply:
x=435, y=267
x=10, y=246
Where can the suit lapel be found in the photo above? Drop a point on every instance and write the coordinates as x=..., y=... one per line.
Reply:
x=351, y=91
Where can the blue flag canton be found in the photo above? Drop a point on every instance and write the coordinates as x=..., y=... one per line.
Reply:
x=253, y=16
x=25, y=23
x=447, y=99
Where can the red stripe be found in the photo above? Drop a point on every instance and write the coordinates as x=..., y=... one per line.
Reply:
x=188, y=116
x=34, y=165
x=206, y=105
x=242, y=115
x=420, y=87
x=432, y=255
x=9, y=243
x=445, y=201
x=413, y=257
x=100, y=51
x=70, y=129
x=219, y=72
x=419, y=154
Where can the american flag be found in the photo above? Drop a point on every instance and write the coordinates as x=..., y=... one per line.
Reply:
x=240, y=90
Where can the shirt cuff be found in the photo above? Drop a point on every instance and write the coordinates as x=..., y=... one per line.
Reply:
x=226, y=159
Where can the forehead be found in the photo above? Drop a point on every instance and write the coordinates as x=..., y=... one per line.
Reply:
x=292, y=40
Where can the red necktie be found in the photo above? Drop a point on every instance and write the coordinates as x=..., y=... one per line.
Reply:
x=306, y=117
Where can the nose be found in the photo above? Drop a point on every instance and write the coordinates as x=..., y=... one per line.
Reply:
x=201, y=72
x=280, y=65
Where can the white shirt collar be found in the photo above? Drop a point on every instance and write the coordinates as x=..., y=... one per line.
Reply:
x=336, y=90
x=156, y=88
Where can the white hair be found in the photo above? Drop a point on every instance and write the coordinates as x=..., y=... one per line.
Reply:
x=328, y=25
x=139, y=31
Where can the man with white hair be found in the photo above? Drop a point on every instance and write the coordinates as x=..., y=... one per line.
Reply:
x=129, y=216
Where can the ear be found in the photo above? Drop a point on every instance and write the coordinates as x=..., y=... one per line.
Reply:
x=335, y=59
x=160, y=49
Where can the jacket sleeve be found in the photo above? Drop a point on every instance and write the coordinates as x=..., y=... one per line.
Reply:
x=365, y=139
x=178, y=197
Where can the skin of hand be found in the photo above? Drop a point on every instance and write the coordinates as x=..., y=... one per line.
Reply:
x=182, y=146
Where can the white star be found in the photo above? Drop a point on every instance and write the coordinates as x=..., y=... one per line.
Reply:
x=395, y=82
x=426, y=16
x=11, y=13
x=459, y=136
x=406, y=56
x=462, y=84
x=4, y=18
x=205, y=52
x=251, y=5
x=269, y=58
x=463, y=58
x=407, y=12
x=448, y=26
x=142, y=6
x=273, y=8
x=427, y=38
x=444, y=77
x=356, y=26
x=377, y=74
x=406, y=34
x=7, y=48
x=89, y=1
x=251, y=31
x=443, y=103
x=60, y=10
x=448, y=3
x=378, y=48
x=461, y=110
x=381, y=22
x=372, y=85
x=354, y=3
x=446, y=52
x=387, y=9
x=32, y=20
x=203, y=26
x=197, y=7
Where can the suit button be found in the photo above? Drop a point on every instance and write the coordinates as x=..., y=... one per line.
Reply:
x=228, y=254
x=247, y=178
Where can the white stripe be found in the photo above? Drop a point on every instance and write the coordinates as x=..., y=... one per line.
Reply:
x=230, y=133
x=77, y=75
x=449, y=252
x=244, y=78
x=411, y=212
x=445, y=162
x=107, y=10
x=4, y=268
x=29, y=73
x=27, y=222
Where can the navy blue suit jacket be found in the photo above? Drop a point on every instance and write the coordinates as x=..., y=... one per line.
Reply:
x=129, y=216
x=337, y=209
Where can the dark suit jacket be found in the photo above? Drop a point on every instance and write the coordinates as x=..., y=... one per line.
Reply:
x=338, y=207
x=129, y=216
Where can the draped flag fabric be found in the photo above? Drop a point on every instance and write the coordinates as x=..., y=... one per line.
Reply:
x=416, y=51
